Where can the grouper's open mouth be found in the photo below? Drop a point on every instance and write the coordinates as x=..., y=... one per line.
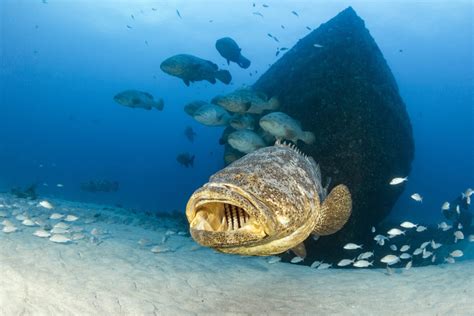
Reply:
x=223, y=216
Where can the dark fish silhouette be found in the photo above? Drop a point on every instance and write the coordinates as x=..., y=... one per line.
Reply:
x=189, y=133
x=185, y=159
x=179, y=14
x=229, y=49
x=295, y=13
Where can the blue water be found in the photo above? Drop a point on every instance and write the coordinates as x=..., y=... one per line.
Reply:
x=63, y=61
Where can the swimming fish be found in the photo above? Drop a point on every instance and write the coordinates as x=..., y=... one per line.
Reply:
x=458, y=235
x=231, y=51
x=185, y=159
x=395, y=232
x=246, y=100
x=435, y=245
x=257, y=13
x=445, y=206
x=417, y=251
x=9, y=229
x=390, y=259
x=456, y=254
x=212, y=115
x=470, y=238
x=467, y=195
x=393, y=247
x=380, y=239
x=282, y=126
x=315, y=264
x=345, y=262
x=189, y=133
x=318, y=46
x=444, y=226
x=449, y=260
x=351, y=246
x=28, y=222
x=324, y=266
x=404, y=248
x=426, y=253
x=191, y=68
x=46, y=205
x=295, y=13
x=245, y=141
x=396, y=181
x=405, y=256
x=138, y=99
x=420, y=229
x=71, y=218
x=266, y=203
x=296, y=259
x=192, y=107
x=425, y=244
x=373, y=229
x=274, y=259
x=243, y=121
x=362, y=264
x=59, y=238
x=56, y=216
x=408, y=225
x=41, y=233
x=179, y=14
x=409, y=265
x=417, y=197
x=365, y=255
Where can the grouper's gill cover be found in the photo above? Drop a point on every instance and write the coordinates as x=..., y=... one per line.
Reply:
x=265, y=203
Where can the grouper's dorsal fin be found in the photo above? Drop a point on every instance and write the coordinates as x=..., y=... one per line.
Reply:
x=282, y=143
x=334, y=211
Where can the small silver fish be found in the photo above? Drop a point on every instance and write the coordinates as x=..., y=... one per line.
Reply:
x=405, y=256
x=426, y=253
x=373, y=229
x=425, y=244
x=274, y=259
x=365, y=255
x=296, y=259
x=409, y=265
x=46, y=204
x=351, y=246
x=445, y=206
x=390, y=259
x=393, y=247
x=444, y=226
x=405, y=248
x=417, y=251
x=318, y=46
x=395, y=232
x=470, y=238
x=324, y=266
x=396, y=181
x=456, y=254
x=433, y=259
x=420, y=229
x=345, y=262
x=408, y=225
x=449, y=260
x=458, y=210
x=417, y=197
x=458, y=235
x=363, y=264
x=315, y=264
x=435, y=245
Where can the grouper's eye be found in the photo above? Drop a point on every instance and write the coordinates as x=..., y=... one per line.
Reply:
x=218, y=216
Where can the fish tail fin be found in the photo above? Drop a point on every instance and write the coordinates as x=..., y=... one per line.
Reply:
x=159, y=105
x=334, y=212
x=243, y=62
x=308, y=138
x=224, y=76
x=273, y=103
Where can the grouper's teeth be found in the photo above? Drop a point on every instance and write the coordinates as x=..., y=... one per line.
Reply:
x=223, y=225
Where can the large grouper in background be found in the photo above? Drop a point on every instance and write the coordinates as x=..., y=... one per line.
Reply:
x=338, y=84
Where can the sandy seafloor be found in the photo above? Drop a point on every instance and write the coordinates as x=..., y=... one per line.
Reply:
x=113, y=274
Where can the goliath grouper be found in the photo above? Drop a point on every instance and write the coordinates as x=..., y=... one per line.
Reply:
x=229, y=49
x=191, y=68
x=265, y=203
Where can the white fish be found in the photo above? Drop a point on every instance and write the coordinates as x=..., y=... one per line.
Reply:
x=61, y=225
x=420, y=229
x=408, y=225
x=59, y=230
x=425, y=244
x=59, y=185
x=467, y=195
x=315, y=237
x=28, y=222
x=470, y=238
x=373, y=229
x=318, y=46
x=405, y=256
x=59, y=238
x=365, y=255
x=160, y=249
x=417, y=197
x=182, y=233
x=460, y=226
x=170, y=232
x=41, y=233
x=396, y=181
x=56, y=216
x=456, y=254
x=389, y=271
x=405, y=248
x=345, y=262
x=324, y=266
x=315, y=264
x=433, y=259
x=409, y=265
x=296, y=259
x=20, y=217
x=458, y=210
x=426, y=253
x=351, y=246
x=395, y=232
x=9, y=229
x=449, y=260
x=458, y=235
x=6, y=222
x=444, y=226
x=46, y=204
x=445, y=206
x=363, y=264
x=274, y=259
x=390, y=259
x=78, y=236
x=393, y=247
x=435, y=245
x=417, y=251
x=71, y=218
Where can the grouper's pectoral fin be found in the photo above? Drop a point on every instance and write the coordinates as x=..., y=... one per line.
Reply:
x=335, y=211
x=299, y=250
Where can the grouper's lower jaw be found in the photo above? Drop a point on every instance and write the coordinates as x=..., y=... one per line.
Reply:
x=220, y=217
